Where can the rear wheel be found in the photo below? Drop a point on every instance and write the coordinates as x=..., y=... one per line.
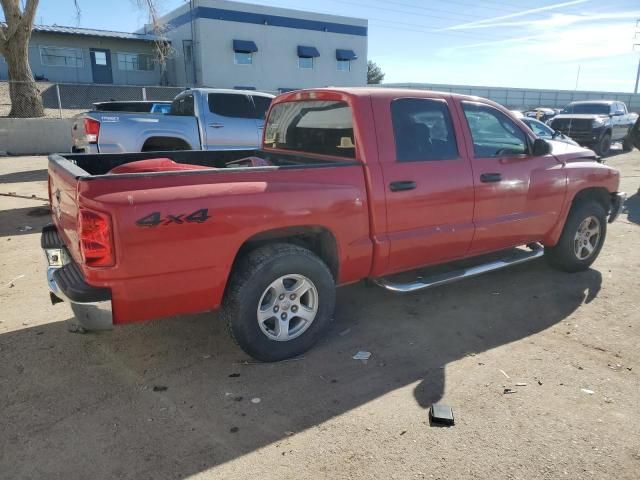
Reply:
x=280, y=300
x=603, y=147
x=582, y=238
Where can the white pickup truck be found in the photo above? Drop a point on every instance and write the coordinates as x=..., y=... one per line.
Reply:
x=199, y=119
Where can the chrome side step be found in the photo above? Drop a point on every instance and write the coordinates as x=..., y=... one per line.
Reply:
x=521, y=256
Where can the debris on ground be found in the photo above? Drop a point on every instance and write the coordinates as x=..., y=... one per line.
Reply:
x=362, y=356
x=289, y=433
x=11, y=284
x=234, y=375
x=441, y=414
x=509, y=390
x=505, y=374
x=234, y=429
x=521, y=384
x=256, y=400
x=238, y=398
x=587, y=391
x=160, y=388
x=403, y=432
x=25, y=228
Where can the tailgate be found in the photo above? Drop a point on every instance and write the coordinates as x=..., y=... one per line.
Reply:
x=63, y=186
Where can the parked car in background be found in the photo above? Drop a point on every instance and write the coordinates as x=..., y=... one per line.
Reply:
x=350, y=184
x=138, y=106
x=517, y=113
x=198, y=119
x=541, y=113
x=596, y=124
x=544, y=131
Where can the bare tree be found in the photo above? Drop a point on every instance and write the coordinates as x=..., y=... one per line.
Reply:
x=14, y=47
x=15, y=35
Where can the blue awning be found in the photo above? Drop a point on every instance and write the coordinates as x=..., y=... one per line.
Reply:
x=345, y=55
x=244, y=46
x=308, y=52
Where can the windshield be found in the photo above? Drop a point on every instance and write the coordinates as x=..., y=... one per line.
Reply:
x=539, y=128
x=589, y=108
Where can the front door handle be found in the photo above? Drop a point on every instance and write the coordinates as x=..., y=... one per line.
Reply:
x=216, y=125
x=490, y=177
x=402, y=186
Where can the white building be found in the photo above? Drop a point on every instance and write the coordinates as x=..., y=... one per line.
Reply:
x=227, y=44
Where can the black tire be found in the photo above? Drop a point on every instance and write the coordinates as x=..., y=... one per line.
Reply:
x=250, y=280
x=563, y=256
x=627, y=144
x=603, y=147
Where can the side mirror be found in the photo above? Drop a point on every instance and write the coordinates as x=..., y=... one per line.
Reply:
x=541, y=148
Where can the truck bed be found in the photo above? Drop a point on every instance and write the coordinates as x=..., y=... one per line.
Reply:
x=183, y=229
x=102, y=164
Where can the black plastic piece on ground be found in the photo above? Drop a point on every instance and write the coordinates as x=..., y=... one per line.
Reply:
x=441, y=415
x=71, y=282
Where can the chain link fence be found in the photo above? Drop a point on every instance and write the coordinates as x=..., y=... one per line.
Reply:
x=65, y=100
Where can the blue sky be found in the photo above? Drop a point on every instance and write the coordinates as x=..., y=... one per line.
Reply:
x=497, y=43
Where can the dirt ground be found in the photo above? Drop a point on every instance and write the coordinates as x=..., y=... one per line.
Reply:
x=176, y=399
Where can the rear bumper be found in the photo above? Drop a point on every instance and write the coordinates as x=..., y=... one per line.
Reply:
x=90, y=305
x=617, y=203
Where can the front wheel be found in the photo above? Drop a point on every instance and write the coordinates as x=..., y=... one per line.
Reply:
x=603, y=147
x=279, y=301
x=582, y=238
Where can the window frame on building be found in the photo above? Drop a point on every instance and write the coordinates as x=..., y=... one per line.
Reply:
x=137, y=54
x=79, y=60
x=237, y=55
x=340, y=63
x=310, y=59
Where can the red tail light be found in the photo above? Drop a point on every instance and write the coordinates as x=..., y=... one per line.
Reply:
x=96, y=245
x=91, y=130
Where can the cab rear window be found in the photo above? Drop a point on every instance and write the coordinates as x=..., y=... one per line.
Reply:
x=315, y=126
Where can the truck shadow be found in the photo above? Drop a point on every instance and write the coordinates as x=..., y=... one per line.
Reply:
x=632, y=208
x=27, y=176
x=24, y=221
x=172, y=398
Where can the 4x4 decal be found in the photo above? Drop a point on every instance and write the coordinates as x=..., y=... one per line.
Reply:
x=154, y=219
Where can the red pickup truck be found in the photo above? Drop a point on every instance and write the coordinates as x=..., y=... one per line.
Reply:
x=349, y=184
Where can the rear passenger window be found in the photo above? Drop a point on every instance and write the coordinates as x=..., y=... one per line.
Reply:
x=262, y=105
x=183, y=106
x=231, y=105
x=423, y=130
x=316, y=126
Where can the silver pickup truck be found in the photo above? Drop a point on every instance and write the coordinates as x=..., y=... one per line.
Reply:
x=199, y=119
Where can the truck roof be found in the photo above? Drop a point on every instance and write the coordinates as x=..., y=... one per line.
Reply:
x=387, y=92
x=381, y=92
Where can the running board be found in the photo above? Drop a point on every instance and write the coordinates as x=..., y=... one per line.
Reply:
x=521, y=256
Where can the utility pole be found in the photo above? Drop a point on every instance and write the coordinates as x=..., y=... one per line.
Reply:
x=635, y=46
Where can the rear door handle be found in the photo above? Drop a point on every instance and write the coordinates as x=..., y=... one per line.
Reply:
x=402, y=186
x=490, y=177
x=216, y=125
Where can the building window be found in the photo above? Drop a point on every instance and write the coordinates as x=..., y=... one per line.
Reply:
x=344, y=65
x=243, y=58
x=305, y=62
x=134, y=61
x=61, y=57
